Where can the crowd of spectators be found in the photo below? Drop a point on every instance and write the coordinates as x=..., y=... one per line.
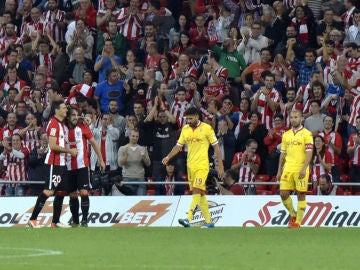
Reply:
x=135, y=66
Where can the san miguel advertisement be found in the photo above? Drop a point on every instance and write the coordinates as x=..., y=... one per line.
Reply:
x=160, y=211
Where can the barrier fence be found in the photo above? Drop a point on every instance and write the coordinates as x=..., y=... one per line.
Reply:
x=175, y=183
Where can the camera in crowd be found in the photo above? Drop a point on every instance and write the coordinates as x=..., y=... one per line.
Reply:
x=211, y=186
x=105, y=181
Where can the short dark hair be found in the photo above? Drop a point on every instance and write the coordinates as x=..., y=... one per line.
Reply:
x=180, y=89
x=109, y=71
x=265, y=49
x=254, y=112
x=156, y=4
x=250, y=141
x=311, y=50
x=316, y=101
x=327, y=177
x=291, y=89
x=55, y=106
x=330, y=42
x=214, y=56
x=192, y=111
x=270, y=75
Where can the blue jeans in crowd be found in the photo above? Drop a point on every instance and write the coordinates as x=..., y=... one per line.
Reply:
x=137, y=189
x=17, y=191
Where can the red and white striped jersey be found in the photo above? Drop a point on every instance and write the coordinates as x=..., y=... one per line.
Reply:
x=3, y=31
x=101, y=13
x=221, y=72
x=19, y=84
x=178, y=109
x=334, y=138
x=190, y=71
x=330, y=66
x=5, y=40
x=45, y=60
x=354, y=110
x=308, y=103
x=347, y=18
x=78, y=138
x=354, y=64
x=288, y=109
x=245, y=172
x=31, y=139
x=101, y=4
x=17, y=167
x=84, y=89
x=317, y=168
x=267, y=114
x=32, y=26
x=304, y=92
x=130, y=25
x=57, y=129
x=243, y=118
x=9, y=107
x=51, y=20
x=6, y=132
x=206, y=114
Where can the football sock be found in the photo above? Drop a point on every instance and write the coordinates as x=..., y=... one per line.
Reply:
x=74, y=208
x=300, y=211
x=85, y=204
x=204, y=206
x=40, y=202
x=289, y=206
x=195, y=201
x=58, y=202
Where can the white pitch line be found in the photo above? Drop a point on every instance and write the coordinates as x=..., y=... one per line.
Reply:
x=36, y=252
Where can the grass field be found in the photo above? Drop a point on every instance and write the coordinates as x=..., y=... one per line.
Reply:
x=179, y=248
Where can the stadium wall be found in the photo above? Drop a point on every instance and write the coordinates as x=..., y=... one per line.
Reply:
x=164, y=211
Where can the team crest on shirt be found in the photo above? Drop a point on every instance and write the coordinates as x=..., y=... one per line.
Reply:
x=52, y=131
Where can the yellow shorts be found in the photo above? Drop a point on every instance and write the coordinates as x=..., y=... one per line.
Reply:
x=197, y=178
x=291, y=181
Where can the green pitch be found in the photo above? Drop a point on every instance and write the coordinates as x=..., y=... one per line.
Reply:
x=179, y=248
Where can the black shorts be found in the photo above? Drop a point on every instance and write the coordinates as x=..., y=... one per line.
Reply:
x=58, y=178
x=79, y=179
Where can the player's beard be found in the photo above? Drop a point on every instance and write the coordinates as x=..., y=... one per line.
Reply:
x=295, y=125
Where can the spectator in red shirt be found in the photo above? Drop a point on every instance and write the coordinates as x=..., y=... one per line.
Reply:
x=353, y=150
x=198, y=34
x=153, y=56
x=272, y=140
x=87, y=13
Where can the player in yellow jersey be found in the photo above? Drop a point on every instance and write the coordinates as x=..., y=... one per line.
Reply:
x=293, y=172
x=198, y=136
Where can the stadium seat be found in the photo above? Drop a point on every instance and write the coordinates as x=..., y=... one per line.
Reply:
x=347, y=193
x=357, y=193
x=261, y=178
x=150, y=188
x=184, y=177
x=274, y=188
x=344, y=178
